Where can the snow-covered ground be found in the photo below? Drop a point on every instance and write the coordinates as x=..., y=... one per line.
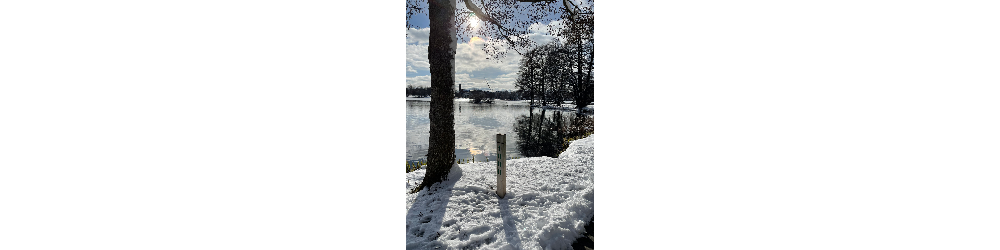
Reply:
x=548, y=203
x=568, y=107
x=565, y=107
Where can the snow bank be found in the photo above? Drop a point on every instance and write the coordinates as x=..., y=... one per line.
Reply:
x=548, y=203
x=569, y=107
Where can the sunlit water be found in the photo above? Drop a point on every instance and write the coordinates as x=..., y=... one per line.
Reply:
x=476, y=126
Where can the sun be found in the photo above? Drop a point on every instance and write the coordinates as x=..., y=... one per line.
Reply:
x=474, y=21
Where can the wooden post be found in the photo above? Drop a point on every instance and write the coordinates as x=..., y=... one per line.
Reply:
x=501, y=165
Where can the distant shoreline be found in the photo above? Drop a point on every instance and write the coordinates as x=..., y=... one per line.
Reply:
x=427, y=99
x=565, y=107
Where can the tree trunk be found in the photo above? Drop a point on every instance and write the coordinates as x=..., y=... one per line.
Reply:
x=545, y=76
x=441, y=56
x=579, y=72
x=532, y=84
x=540, y=121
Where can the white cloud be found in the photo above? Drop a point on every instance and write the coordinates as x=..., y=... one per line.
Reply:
x=506, y=81
x=416, y=57
x=417, y=36
x=422, y=65
x=543, y=33
x=466, y=81
x=472, y=68
x=470, y=58
x=420, y=81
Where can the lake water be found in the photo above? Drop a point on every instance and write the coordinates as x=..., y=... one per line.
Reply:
x=476, y=126
x=530, y=132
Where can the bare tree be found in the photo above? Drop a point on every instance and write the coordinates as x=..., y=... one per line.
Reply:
x=579, y=34
x=548, y=70
x=529, y=74
x=506, y=29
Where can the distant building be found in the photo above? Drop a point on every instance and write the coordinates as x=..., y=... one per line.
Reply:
x=461, y=92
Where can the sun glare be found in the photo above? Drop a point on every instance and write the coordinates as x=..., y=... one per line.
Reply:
x=474, y=21
x=475, y=39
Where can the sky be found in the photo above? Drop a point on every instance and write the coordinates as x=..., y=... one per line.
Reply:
x=472, y=68
x=547, y=204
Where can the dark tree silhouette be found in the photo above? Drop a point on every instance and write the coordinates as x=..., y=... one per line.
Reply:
x=506, y=30
x=581, y=42
x=441, y=56
x=546, y=72
x=529, y=74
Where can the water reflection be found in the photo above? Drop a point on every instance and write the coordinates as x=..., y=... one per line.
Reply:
x=541, y=135
x=476, y=126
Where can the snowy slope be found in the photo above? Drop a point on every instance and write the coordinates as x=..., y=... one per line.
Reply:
x=548, y=202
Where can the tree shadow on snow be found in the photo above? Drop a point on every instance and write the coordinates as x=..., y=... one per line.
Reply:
x=424, y=217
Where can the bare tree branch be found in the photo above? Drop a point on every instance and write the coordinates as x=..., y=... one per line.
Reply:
x=484, y=17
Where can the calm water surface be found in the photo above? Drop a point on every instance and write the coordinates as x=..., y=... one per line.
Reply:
x=476, y=126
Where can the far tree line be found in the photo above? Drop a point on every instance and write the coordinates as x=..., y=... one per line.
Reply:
x=417, y=91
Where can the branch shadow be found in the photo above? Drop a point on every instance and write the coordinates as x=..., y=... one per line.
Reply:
x=424, y=217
